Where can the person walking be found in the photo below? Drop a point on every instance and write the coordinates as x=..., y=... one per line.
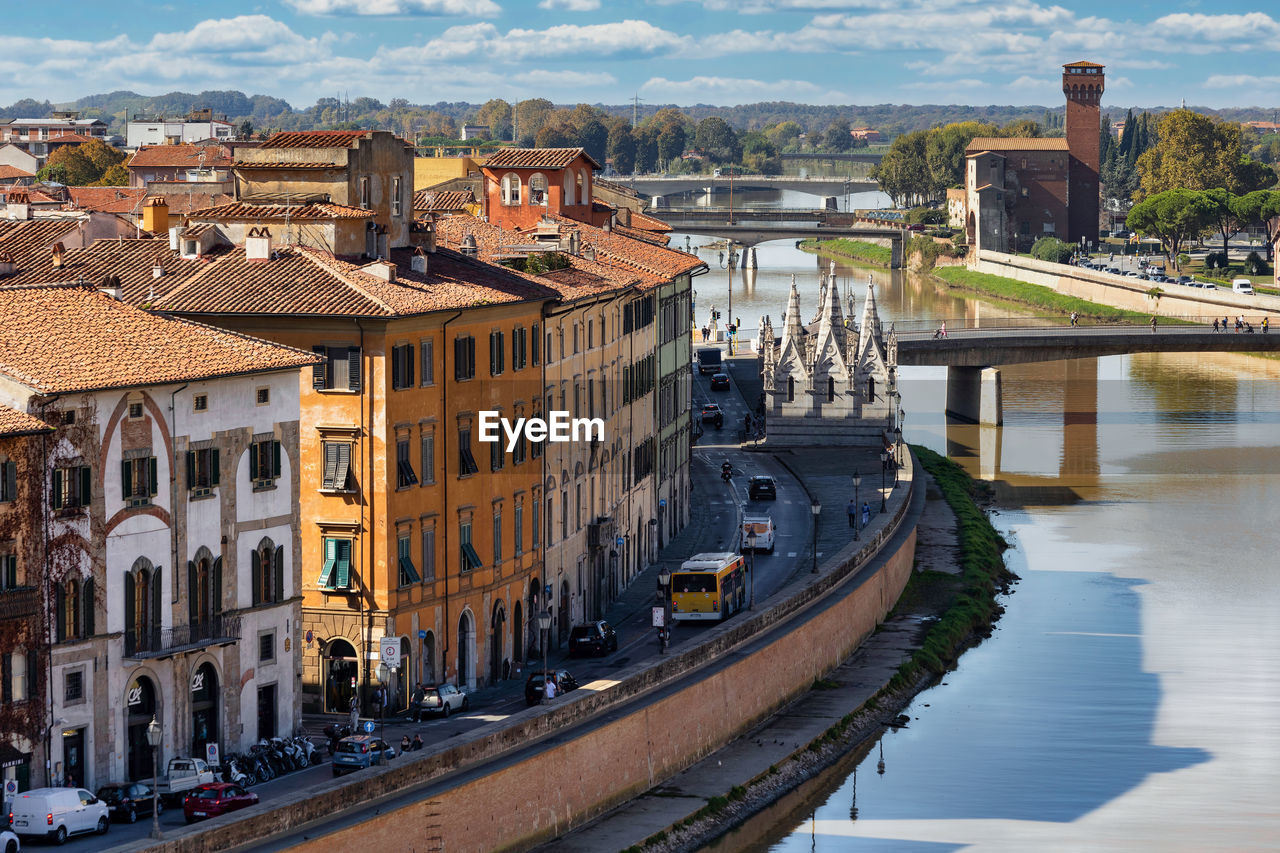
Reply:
x=1075, y=319
x=853, y=514
x=415, y=706
x=549, y=686
x=1153, y=324
x=943, y=328
x=1266, y=323
x=1215, y=324
x=866, y=513
x=354, y=720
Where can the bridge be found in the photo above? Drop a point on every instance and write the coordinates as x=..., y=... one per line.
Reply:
x=749, y=227
x=663, y=185
x=971, y=353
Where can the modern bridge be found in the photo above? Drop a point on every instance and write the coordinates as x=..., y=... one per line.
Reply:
x=760, y=225
x=663, y=185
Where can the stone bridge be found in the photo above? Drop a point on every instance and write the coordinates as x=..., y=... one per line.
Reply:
x=663, y=185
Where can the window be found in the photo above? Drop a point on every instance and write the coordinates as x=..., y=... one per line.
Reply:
x=429, y=552
x=405, y=476
x=568, y=188
x=402, y=366
x=538, y=189
x=262, y=396
x=495, y=456
x=72, y=487
x=428, y=353
x=267, y=647
x=67, y=610
x=469, y=558
x=464, y=358
x=550, y=514
x=831, y=389
x=364, y=193
x=564, y=513
x=428, y=458
x=395, y=197
x=73, y=686
x=791, y=389
x=518, y=452
x=533, y=528
x=518, y=530
x=340, y=370
x=267, y=570
x=536, y=340
x=8, y=571
x=200, y=402
x=336, y=571
x=510, y=189
x=466, y=462
x=591, y=333
x=577, y=340
x=8, y=481
x=264, y=463
x=496, y=354
x=203, y=466
x=135, y=412
x=497, y=535
x=519, y=348
x=142, y=605
x=404, y=551
x=337, y=466
x=138, y=476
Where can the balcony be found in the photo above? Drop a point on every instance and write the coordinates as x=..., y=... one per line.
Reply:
x=164, y=642
x=600, y=532
x=19, y=603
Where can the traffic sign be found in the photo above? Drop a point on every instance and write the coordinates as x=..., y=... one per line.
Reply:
x=659, y=616
x=368, y=726
x=422, y=635
x=390, y=647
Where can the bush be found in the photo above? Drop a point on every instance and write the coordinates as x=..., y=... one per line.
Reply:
x=1254, y=265
x=926, y=216
x=1215, y=260
x=1053, y=250
x=1184, y=259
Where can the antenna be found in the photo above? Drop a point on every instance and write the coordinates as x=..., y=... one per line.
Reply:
x=635, y=108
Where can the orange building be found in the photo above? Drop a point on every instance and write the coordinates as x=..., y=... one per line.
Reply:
x=523, y=184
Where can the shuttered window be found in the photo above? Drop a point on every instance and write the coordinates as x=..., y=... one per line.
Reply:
x=8, y=481
x=496, y=353
x=340, y=369
x=428, y=458
x=428, y=357
x=402, y=365
x=464, y=358
x=337, y=466
x=336, y=570
x=405, y=475
x=264, y=463
x=428, y=552
x=466, y=461
x=404, y=552
x=138, y=480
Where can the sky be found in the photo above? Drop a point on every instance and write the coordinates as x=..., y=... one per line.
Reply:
x=723, y=52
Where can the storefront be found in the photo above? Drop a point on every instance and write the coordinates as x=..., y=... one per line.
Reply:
x=204, y=708
x=141, y=707
x=342, y=674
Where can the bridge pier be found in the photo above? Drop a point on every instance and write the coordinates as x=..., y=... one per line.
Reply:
x=973, y=395
x=749, y=258
x=896, y=261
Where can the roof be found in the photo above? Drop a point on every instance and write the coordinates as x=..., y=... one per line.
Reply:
x=648, y=223
x=1083, y=64
x=659, y=262
x=108, y=199
x=29, y=241
x=443, y=200
x=641, y=234
x=68, y=338
x=537, y=158
x=9, y=173
x=283, y=164
x=1016, y=143
x=316, y=138
x=315, y=211
x=14, y=422
x=178, y=157
x=131, y=261
x=69, y=137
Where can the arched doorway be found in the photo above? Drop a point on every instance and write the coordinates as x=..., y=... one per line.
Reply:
x=535, y=642
x=429, y=675
x=517, y=633
x=562, y=630
x=140, y=707
x=466, y=651
x=204, y=708
x=400, y=687
x=342, y=674
x=497, y=642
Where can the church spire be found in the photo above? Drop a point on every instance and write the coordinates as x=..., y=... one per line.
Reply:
x=791, y=326
x=870, y=316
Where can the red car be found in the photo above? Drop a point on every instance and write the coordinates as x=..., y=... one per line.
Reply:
x=215, y=798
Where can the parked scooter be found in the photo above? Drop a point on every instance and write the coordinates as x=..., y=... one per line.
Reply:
x=336, y=732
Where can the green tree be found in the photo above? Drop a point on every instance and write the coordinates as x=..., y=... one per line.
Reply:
x=1023, y=128
x=1174, y=216
x=75, y=169
x=1199, y=152
x=1260, y=207
x=837, y=137
x=646, y=137
x=903, y=173
x=114, y=176
x=718, y=140
x=760, y=153
x=784, y=134
x=101, y=155
x=944, y=151
x=593, y=136
x=622, y=148
x=529, y=116
x=1222, y=209
x=496, y=113
x=555, y=134
x=671, y=142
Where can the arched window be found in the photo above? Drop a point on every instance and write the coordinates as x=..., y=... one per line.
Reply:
x=583, y=193
x=538, y=189
x=831, y=389
x=791, y=389
x=204, y=595
x=141, y=608
x=871, y=389
x=510, y=188
x=267, y=563
x=569, y=196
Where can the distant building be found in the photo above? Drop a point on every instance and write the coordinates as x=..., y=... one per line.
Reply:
x=19, y=158
x=475, y=131
x=180, y=163
x=40, y=137
x=1262, y=126
x=1019, y=190
x=195, y=126
x=957, y=206
x=866, y=134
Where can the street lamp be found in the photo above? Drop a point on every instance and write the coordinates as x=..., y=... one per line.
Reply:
x=664, y=591
x=857, y=508
x=544, y=627
x=154, y=733
x=884, y=462
x=815, y=508
x=384, y=679
x=751, y=544
x=897, y=434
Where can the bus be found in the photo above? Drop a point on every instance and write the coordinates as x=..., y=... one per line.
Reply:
x=709, y=587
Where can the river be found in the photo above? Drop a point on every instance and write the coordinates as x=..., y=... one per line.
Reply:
x=1130, y=696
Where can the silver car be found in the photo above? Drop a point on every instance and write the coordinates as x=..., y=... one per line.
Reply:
x=444, y=700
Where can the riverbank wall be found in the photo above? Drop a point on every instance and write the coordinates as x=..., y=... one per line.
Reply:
x=1133, y=294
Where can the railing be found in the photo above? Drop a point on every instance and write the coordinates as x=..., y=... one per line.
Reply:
x=153, y=642
x=19, y=603
x=1053, y=324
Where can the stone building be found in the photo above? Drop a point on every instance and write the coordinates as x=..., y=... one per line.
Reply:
x=831, y=382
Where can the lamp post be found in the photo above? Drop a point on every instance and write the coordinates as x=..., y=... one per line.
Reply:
x=384, y=679
x=751, y=544
x=857, y=508
x=884, y=461
x=154, y=733
x=544, y=628
x=897, y=435
x=664, y=593
x=815, y=508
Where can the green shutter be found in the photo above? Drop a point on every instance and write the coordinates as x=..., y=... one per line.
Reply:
x=191, y=469
x=255, y=573
x=408, y=366
x=60, y=612
x=153, y=624
x=275, y=459
x=353, y=368
x=86, y=485
x=215, y=468
x=126, y=479
x=193, y=599
x=277, y=574
x=86, y=595
x=408, y=573
x=217, y=586
x=57, y=488
x=330, y=464
x=253, y=462
x=330, y=560
x=130, y=594
x=318, y=370
x=342, y=565
x=153, y=476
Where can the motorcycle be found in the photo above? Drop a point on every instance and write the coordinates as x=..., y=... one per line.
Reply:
x=236, y=774
x=726, y=472
x=336, y=732
x=310, y=755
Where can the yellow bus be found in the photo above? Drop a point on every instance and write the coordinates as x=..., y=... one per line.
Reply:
x=709, y=587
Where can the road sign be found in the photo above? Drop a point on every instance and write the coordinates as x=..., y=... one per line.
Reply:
x=10, y=788
x=659, y=616
x=368, y=726
x=422, y=635
x=211, y=755
x=391, y=651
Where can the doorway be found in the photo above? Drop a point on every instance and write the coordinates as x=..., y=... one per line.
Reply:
x=342, y=673
x=73, y=756
x=204, y=708
x=140, y=709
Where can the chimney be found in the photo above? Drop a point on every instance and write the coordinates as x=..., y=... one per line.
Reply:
x=19, y=206
x=155, y=215
x=6, y=264
x=469, y=247
x=257, y=245
x=384, y=270
x=173, y=238
x=157, y=269
x=589, y=253
x=58, y=253
x=418, y=263
x=111, y=287
x=431, y=235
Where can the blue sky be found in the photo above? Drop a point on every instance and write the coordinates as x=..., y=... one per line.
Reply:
x=1215, y=54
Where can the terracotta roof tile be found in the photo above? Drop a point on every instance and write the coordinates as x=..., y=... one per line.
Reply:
x=131, y=261
x=108, y=199
x=442, y=200
x=1016, y=143
x=658, y=261
x=641, y=234
x=29, y=242
x=283, y=164
x=316, y=138
x=14, y=422
x=1083, y=64
x=69, y=136
x=648, y=223
x=70, y=338
x=179, y=156
x=240, y=210
x=10, y=173
x=537, y=158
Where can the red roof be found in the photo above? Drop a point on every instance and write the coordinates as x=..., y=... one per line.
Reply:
x=179, y=157
x=14, y=422
x=316, y=138
x=316, y=211
x=78, y=138
x=536, y=158
x=648, y=223
x=108, y=199
x=9, y=173
x=443, y=200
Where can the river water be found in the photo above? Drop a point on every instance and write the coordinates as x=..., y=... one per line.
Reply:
x=1130, y=696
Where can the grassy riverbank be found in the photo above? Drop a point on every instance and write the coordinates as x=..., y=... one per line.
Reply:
x=855, y=250
x=1012, y=293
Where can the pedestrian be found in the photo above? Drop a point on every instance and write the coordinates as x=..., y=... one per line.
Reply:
x=1215, y=324
x=866, y=513
x=1153, y=324
x=415, y=706
x=405, y=744
x=853, y=513
x=355, y=714
x=1265, y=324
x=1075, y=319
x=943, y=328
x=417, y=743
x=549, y=686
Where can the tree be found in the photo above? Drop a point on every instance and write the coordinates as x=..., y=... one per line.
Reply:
x=784, y=134
x=593, y=136
x=760, y=153
x=73, y=167
x=718, y=140
x=944, y=151
x=496, y=113
x=622, y=148
x=646, y=137
x=114, y=176
x=1260, y=207
x=1199, y=152
x=671, y=142
x=1174, y=216
x=1023, y=128
x=529, y=116
x=101, y=155
x=837, y=136
x=245, y=131
x=1221, y=206
x=903, y=172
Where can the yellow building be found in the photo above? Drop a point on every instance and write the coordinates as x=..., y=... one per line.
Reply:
x=430, y=171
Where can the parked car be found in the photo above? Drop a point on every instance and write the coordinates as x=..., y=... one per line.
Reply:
x=359, y=751
x=444, y=700
x=9, y=842
x=183, y=774
x=55, y=813
x=1184, y=279
x=533, y=688
x=720, y=382
x=1205, y=285
x=760, y=488
x=216, y=798
x=596, y=638
x=126, y=800
x=1238, y=285
x=710, y=411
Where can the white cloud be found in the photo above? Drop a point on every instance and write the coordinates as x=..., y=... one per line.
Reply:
x=570, y=5
x=565, y=79
x=1243, y=31
x=460, y=8
x=559, y=42
x=728, y=91
x=1240, y=81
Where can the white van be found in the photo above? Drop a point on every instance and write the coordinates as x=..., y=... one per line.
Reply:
x=55, y=813
x=762, y=527
x=1242, y=285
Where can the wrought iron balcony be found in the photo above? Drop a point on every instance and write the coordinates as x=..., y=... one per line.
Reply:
x=162, y=642
x=19, y=602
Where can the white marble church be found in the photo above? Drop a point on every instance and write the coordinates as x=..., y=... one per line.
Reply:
x=831, y=383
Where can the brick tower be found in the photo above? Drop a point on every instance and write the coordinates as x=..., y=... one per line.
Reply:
x=1083, y=83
